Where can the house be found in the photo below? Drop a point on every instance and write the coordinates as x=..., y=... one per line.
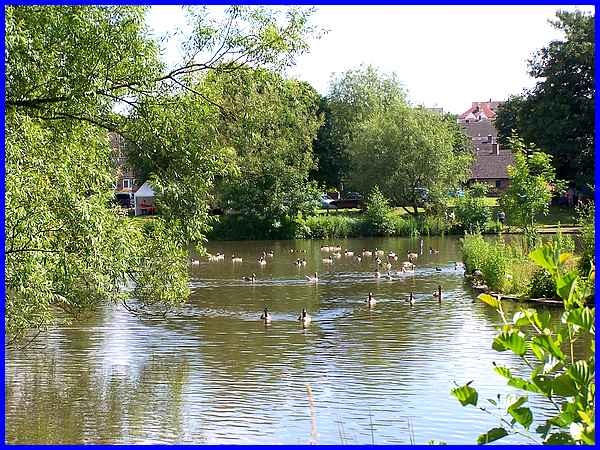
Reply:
x=126, y=177
x=491, y=161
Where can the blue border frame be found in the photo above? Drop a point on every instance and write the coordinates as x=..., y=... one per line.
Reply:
x=267, y=2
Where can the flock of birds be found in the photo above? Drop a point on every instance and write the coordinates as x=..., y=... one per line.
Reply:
x=335, y=252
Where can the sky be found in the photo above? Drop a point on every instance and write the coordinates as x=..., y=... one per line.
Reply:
x=445, y=56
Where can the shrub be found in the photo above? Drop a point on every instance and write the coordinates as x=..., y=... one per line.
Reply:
x=327, y=227
x=471, y=211
x=586, y=220
x=378, y=215
x=542, y=285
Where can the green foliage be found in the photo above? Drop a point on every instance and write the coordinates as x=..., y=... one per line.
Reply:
x=353, y=95
x=547, y=349
x=378, y=220
x=558, y=113
x=471, y=210
x=532, y=181
x=331, y=226
x=74, y=73
x=493, y=260
x=542, y=285
x=587, y=221
x=410, y=153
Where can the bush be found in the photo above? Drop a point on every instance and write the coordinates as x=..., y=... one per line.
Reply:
x=542, y=285
x=586, y=220
x=378, y=215
x=328, y=227
x=471, y=211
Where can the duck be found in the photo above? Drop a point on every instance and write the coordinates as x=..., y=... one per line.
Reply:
x=235, y=259
x=328, y=260
x=304, y=317
x=370, y=300
x=266, y=316
x=312, y=279
x=251, y=279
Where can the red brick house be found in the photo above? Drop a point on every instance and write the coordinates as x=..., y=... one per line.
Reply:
x=491, y=161
x=127, y=181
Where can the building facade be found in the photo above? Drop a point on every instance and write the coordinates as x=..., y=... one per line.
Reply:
x=127, y=181
x=491, y=161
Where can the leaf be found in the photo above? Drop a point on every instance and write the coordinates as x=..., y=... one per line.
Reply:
x=581, y=372
x=582, y=317
x=490, y=300
x=520, y=319
x=492, y=435
x=564, y=386
x=547, y=343
x=565, y=285
x=522, y=415
x=466, y=395
x=503, y=371
x=523, y=384
x=544, y=257
x=564, y=257
x=517, y=403
x=561, y=438
x=510, y=340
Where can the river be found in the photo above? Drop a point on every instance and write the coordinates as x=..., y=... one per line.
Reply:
x=213, y=373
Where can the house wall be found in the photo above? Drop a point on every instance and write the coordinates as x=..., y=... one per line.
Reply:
x=497, y=185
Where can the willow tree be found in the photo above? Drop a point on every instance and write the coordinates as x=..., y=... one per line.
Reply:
x=412, y=154
x=69, y=70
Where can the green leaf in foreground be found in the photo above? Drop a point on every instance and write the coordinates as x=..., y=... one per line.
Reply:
x=466, y=395
x=492, y=435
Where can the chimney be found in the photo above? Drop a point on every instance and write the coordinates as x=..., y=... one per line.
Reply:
x=490, y=139
x=495, y=148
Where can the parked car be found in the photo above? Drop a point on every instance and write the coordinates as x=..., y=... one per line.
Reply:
x=350, y=200
x=327, y=202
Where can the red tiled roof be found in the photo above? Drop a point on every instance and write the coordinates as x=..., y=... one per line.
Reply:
x=488, y=108
x=490, y=165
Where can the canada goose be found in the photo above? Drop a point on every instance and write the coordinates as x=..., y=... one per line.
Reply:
x=347, y=253
x=378, y=261
x=411, y=299
x=251, y=279
x=379, y=252
x=336, y=255
x=477, y=273
x=304, y=317
x=324, y=248
x=235, y=259
x=438, y=293
x=220, y=256
x=211, y=258
x=377, y=274
x=367, y=252
x=291, y=250
x=270, y=253
x=328, y=260
x=370, y=300
x=438, y=269
x=388, y=275
x=432, y=251
x=388, y=266
x=303, y=262
x=391, y=254
x=412, y=257
x=358, y=258
x=335, y=248
x=313, y=279
x=298, y=262
x=196, y=262
x=266, y=316
x=392, y=257
x=262, y=261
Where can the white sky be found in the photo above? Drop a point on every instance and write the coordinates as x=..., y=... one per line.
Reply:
x=446, y=56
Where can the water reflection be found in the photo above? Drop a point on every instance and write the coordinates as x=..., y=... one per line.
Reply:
x=214, y=373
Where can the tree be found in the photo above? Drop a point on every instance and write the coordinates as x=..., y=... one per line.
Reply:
x=73, y=73
x=353, y=96
x=273, y=145
x=532, y=182
x=411, y=153
x=558, y=113
x=508, y=119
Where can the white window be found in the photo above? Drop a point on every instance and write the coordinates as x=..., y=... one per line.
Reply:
x=125, y=183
